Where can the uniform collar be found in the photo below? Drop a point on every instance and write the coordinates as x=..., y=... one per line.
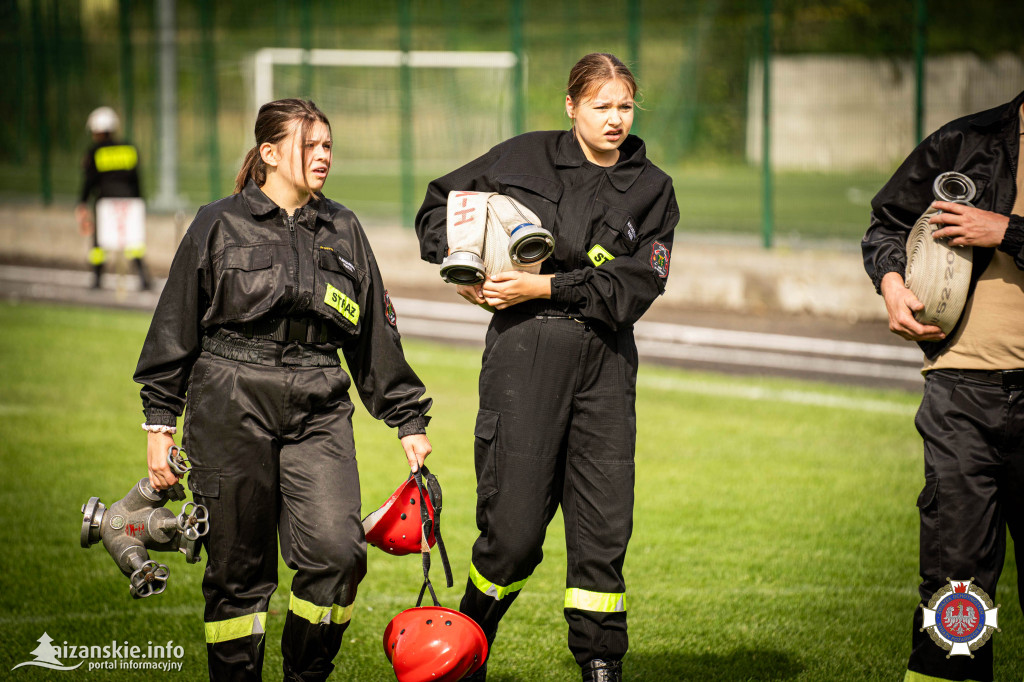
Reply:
x=998, y=115
x=632, y=159
x=261, y=205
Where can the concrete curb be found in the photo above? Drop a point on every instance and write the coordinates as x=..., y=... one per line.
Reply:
x=734, y=275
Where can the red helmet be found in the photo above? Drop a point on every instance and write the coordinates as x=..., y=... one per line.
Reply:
x=398, y=526
x=434, y=644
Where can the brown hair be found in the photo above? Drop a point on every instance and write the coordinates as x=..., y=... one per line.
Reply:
x=593, y=71
x=273, y=123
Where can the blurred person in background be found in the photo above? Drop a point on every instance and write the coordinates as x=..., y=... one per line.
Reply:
x=110, y=170
x=266, y=287
x=972, y=414
x=557, y=418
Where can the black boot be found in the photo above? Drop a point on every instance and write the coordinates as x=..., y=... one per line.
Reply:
x=602, y=671
x=97, y=276
x=140, y=267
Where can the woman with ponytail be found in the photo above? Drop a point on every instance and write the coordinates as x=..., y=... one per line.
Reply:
x=557, y=419
x=267, y=286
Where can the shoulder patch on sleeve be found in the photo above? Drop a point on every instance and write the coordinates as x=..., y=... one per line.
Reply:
x=659, y=259
x=389, y=310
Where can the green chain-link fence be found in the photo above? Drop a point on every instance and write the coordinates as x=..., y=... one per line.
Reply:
x=842, y=83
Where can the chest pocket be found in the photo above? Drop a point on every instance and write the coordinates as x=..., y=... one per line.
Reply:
x=538, y=194
x=251, y=278
x=614, y=233
x=337, y=291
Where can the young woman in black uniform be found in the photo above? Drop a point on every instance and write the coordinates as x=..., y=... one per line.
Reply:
x=266, y=287
x=557, y=422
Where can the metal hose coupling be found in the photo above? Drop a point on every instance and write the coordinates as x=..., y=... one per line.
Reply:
x=462, y=267
x=529, y=243
x=938, y=274
x=139, y=522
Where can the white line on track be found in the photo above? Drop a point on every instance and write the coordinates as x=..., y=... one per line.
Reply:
x=758, y=393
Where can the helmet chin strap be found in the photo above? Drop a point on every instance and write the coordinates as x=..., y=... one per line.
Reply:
x=428, y=487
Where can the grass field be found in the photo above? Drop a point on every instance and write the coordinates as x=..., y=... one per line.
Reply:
x=774, y=539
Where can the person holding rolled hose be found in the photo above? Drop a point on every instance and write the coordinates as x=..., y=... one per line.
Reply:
x=557, y=418
x=971, y=417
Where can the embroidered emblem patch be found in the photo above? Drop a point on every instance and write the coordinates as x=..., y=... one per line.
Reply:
x=389, y=310
x=960, y=617
x=659, y=259
x=599, y=255
x=348, y=308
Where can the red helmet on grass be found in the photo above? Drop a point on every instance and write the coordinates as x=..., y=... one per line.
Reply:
x=434, y=644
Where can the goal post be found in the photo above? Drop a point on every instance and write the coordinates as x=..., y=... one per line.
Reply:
x=403, y=111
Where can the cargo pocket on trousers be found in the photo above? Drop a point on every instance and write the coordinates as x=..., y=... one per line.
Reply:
x=484, y=455
x=204, y=482
x=931, y=544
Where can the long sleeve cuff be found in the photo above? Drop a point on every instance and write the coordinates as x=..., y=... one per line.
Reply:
x=413, y=426
x=156, y=416
x=562, y=286
x=1013, y=240
x=891, y=265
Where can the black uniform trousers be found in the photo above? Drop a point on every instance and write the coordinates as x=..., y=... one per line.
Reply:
x=556, y=426
x=272, y=451
x=973, y=431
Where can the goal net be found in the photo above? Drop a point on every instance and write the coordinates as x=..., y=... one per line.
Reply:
x=461, y=103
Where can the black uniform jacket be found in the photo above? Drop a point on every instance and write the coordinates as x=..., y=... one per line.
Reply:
x=110, y=169
x=627, y=211
x=982, y=146
x=243, y=259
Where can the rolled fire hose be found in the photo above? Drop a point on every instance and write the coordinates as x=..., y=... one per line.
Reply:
x=490, y=233
x=937, y=273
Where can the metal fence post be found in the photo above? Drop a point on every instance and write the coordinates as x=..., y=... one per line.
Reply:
x=42, y=110
x=518, y=77
x=124, y=17
x=920, y=48
x=406, y=135
x=634, y=13
x=767, y=194
x=167, y=98
x=209, y=65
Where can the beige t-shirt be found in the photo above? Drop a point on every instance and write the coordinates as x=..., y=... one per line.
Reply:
x=991, y=333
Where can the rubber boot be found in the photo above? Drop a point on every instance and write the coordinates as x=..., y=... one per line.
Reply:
x=602, y=671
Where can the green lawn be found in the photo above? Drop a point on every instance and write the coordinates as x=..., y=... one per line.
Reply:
x=774, y=539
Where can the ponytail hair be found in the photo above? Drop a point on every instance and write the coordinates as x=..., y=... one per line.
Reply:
x=273, y=123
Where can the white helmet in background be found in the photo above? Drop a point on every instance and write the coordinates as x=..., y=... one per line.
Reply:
x=103, y=120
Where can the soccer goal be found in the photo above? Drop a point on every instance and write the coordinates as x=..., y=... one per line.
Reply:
x=458, y=104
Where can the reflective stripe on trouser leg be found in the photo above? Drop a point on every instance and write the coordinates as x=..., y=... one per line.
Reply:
x=911, y=676
x=492, y=589
x=234, y=628
x=235, y=647
x=320, y=615
x=97, y=256
x=135, y=252
x=601, y=602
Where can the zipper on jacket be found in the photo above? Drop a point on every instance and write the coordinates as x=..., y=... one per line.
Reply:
x=296, y=288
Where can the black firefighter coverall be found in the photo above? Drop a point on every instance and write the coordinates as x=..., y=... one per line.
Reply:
x=557, y=419
x=255, y=309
